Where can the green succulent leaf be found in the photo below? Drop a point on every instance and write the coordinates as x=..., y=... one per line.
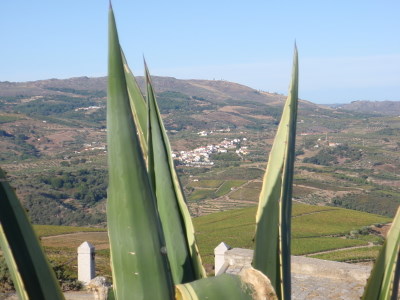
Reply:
x=138, y=105
x=249, y=285
x=29, y=268
x=138, y=259
x=383, y=283
x=273, y=219
x=183, y=255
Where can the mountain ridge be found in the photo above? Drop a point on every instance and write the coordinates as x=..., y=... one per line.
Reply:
x=53, y=144
x=385, y=107
x=210, y=89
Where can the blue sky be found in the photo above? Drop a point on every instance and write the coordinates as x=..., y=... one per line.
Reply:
x=348, y=50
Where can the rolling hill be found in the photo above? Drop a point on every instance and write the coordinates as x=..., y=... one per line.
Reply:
x=390, y=108
x=53, y=146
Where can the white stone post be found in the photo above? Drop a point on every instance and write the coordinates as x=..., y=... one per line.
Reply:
x=219, y=258
x=86, y=265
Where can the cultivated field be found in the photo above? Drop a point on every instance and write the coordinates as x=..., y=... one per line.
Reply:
x=318, y=231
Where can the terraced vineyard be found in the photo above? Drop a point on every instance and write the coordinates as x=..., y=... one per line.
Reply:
x=318, y=231
x=53, y=146
x=220, y=189
x=315, y=229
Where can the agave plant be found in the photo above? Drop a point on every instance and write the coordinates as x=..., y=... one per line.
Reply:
x=383, y=282
x=139, y=151
x=29, y=268
x=153, y=249
x=143, y=181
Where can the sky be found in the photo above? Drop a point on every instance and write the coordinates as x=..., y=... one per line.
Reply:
x=348, y=49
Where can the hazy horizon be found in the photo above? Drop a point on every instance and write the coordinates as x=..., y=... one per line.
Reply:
x=348, y=50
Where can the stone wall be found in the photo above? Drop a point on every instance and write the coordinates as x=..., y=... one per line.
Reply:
x=311, y=278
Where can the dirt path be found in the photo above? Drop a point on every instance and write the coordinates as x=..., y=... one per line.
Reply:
x=69, y=234
x=208, y=206
x=235, y=188
x=314, y=212
x=98, y=239
x=341, y=249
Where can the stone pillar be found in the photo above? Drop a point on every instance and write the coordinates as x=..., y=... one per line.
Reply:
x=219, y=258
x=86, y=265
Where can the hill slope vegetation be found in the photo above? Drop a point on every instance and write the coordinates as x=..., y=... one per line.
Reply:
x=53, y=146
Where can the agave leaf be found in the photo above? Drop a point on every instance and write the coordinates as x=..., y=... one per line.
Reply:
x=249, y=285
x=139, y=264
x=138, y=105
x=383, y=282
x=273, y=219
x=177, y=225
x=29, y=268
x=12, y=266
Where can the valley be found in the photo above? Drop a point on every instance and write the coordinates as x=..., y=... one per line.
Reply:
x=357, y=238
x=53, y=147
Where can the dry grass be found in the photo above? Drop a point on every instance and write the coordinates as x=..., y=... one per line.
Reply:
x=206, y=183
x=74, y=240
x=246, y=194
x=236, y=228
x=301, y=191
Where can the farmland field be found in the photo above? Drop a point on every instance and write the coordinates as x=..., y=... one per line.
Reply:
x=302, y=246
x=361, y=254
x=206, y=183
x=227, y=186
x=315, y=229
x=301, y=209
x=50, y=133
x=49, y=230
x=200, y=194
x=74, y=240
x=333, y=222
x=246, y=194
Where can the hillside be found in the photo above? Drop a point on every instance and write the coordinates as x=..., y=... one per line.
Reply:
x=216, y=90
x=53, y=146
x=315, y=233
x=390, y=108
